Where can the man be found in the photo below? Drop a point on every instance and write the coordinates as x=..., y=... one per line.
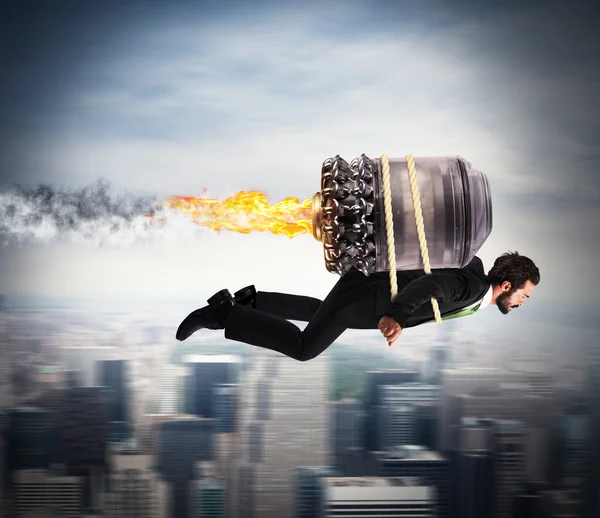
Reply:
x=361, y=302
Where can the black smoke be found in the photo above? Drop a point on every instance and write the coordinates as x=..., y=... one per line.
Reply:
x=92, y=213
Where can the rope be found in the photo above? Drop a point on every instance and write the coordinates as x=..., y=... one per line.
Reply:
x=414, y=189
x=389, y=224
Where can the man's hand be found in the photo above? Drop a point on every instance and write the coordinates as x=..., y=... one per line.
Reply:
x=390, y=329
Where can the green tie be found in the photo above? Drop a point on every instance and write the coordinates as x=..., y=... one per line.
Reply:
x=459, y=313
x=462, y=312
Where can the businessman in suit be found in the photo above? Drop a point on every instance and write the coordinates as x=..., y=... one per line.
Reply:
x=360, y=302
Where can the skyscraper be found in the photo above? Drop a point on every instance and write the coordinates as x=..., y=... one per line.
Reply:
x=136, y=491
x=208, y=371
x=113, y=374
x=30, y=438
x=397, y=413
x=85, y=360
x=592, y=482
x=295, y=434
x=309, y=493
x=247, y=491
x=346, y=431
x=508, y=438
x=473, y=485
x=375, y=380
x=466, y=380
x=374, y=496
x=419, y=462
x=209, y=499
x=182, y=443
x=38, y=491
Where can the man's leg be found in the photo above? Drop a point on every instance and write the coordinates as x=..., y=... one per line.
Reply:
x=284, y=305
x=271, y=330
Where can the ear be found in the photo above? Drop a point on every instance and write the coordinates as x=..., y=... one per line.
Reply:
x=506, y=286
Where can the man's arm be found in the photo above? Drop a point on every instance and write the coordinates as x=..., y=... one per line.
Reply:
x=444, y=287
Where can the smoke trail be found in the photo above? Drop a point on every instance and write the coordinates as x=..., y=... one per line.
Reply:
x=90, y=215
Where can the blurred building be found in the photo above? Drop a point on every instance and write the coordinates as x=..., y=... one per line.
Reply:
x=183, y=443
x=209, y=498
x=375, y=380
x=426, y=465
x=113, y=374
x=226, y=401
x=295, y=434
x=170, y=399
x=135, y=489
x=84, y=427
x=256, y=442
x=397, y=413
x=6, y=393
x=207, y=372
x=466, y=380
x=85, y=360
x=427, y=424
x=247, y=491
x=263, y=400
x=30, y=438
x=346, y=432
x=472, y=466
x=592, y=477
x=508, y=450
x=38, y=492
x=309, y=494
x=374, y=496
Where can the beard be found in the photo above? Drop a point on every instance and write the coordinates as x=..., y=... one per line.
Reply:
x=503, y=302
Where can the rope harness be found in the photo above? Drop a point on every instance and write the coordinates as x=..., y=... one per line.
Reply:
x=389, y=226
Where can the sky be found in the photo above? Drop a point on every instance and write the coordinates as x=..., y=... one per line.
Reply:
x=212, y=98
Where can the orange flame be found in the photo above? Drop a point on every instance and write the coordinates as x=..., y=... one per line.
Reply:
x=246, y=212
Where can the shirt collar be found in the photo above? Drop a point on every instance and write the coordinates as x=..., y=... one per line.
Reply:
x=487, y=298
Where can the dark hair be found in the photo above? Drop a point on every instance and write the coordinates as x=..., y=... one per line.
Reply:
x=514, y=268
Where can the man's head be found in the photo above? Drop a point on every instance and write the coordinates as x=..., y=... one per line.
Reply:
x=513, y=278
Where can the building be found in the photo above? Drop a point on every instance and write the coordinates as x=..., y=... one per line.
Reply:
x=247, y=491
x=418, y=462
x=375, y=380
x=209, y=499
x=308, y=489
x=346, y=430
x=113, y=374
x=472, y=488
x=207, y=372
x=135, y=489
x=85, y=360
x=30, y=438
x=183, y=443
x=374, y=496
x=295, y=435
x=37, y=491
x=508, y=450
x=467, y=381
x=398, y=412
x=226, y=401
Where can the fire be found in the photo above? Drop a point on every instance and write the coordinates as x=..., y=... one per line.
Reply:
x=247, y=212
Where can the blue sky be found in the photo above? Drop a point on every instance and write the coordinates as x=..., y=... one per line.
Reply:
x=170, y=100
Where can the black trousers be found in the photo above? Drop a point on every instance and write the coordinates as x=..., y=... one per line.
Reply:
x=349, y=305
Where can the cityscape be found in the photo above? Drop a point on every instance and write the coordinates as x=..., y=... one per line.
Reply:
x=104, y=418
x=153, y=154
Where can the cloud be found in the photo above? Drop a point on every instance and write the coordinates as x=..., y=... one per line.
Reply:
x=259, y=101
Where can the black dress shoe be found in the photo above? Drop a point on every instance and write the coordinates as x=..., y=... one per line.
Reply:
x=220, y=296
x=246, y=296
x=208, y=317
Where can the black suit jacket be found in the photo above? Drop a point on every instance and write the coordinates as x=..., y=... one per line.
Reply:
x=364, y=300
